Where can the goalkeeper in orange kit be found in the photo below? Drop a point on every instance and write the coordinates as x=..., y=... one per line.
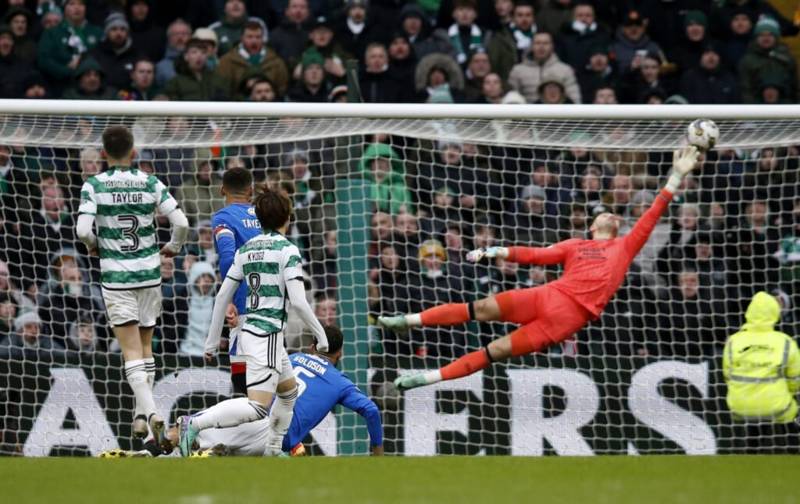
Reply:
x=551, y=313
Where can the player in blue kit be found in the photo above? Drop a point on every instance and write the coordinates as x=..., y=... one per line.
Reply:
x=233, y=226
x=321, y=386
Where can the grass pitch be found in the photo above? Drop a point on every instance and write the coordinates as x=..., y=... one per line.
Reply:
x=499, y=480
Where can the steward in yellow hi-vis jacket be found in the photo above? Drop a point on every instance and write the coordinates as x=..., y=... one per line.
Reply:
x=762, y=366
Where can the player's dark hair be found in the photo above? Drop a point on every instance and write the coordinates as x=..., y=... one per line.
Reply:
x=237, y=180
x=117, y=142
x=335, y=339
x=273, y=209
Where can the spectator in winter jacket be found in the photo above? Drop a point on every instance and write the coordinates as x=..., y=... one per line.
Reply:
x=479, y=66
x=402, y=66
x=773, y=90
x=686, y=54
x=61, y=47
x=27, y=336
x=554, y=15
x=637, y=85
x=509, y=45
x=142, y=85
x=376, y=82
x=229, y=30
x=252, y=57
x=13, y=71
x=577, y=40
x=709, y=82
x=21, y=21
x=767, y=54
x=89, y=83
x=291, y=37
x=465, y=35
x=193, y=80
x=116, y=53
x=632, y=42
x=738, y=38
x=178, y=35
x=148, y=39
x=439, y=79
x=384, y=170
x=355, y=31
x=415, y=25
x=596, y=73
x=543, y=65
x=67, y=295
x=202, y=282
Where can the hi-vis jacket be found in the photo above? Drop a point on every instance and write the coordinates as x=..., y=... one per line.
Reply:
x=762, y=366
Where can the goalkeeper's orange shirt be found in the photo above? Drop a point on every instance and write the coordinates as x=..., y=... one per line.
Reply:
x=594, y=269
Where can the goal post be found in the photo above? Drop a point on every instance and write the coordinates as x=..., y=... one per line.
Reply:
x=388, y=199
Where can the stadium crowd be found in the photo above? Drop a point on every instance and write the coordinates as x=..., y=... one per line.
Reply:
x=736, y=230
x=435, y=51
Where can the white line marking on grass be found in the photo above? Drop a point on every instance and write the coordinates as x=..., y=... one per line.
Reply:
x=197, y=499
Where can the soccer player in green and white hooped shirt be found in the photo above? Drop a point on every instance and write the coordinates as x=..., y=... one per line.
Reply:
x=270, y=265
x=123, y=201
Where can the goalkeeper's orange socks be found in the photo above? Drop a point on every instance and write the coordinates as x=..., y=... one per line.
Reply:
x=446, y=315
x=466, y=365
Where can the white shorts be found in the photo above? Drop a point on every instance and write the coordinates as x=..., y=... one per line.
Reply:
x=136, y=305
x=267, y=361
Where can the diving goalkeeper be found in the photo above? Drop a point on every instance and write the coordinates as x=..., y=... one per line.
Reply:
x=551, y=313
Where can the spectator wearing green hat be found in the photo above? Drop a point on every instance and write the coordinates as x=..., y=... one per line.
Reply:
x=61, y=47
x=90, y=83
x=686, y=54
x=313, y=85
x=767, y=55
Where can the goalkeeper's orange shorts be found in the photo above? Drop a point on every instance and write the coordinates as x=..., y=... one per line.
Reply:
x=547, y=315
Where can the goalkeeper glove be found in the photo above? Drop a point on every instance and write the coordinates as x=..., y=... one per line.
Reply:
x=683, y=161
x=491, y=252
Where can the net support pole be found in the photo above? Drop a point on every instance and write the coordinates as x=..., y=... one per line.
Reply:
x=352, y=198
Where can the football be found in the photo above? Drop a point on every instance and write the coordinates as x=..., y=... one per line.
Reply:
x=703, y=134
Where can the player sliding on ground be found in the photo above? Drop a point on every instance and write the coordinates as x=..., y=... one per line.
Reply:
x=321, y=386
x=549, y=314
x=270, y=264
x=123, y=201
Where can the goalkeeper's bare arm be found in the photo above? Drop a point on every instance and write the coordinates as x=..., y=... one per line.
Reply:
x=548, y=314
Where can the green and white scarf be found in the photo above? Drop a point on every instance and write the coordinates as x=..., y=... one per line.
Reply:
x=253, y=59
x=475, y=41
x=523, y=37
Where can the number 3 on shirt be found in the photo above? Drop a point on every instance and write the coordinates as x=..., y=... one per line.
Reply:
x=130, y=224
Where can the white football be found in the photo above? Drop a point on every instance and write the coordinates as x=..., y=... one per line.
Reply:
x=703, y=134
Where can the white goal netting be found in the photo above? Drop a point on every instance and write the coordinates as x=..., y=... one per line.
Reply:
x=386, y=210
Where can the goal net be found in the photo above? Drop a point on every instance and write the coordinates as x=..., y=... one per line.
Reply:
x=388, y=200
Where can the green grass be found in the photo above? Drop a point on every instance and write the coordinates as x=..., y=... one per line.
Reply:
x=500, y=480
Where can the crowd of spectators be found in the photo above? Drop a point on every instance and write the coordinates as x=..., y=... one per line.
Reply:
x=435, y=51
x=735, y=229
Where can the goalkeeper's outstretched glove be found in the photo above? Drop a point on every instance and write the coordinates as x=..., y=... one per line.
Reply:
x=683, y=161
x=491, y=252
